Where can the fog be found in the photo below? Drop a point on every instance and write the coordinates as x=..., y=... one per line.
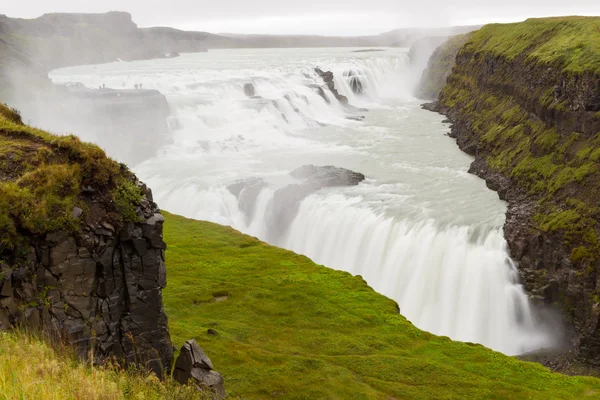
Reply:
x=327, y=17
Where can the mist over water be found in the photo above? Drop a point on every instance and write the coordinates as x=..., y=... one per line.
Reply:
x=419, y=229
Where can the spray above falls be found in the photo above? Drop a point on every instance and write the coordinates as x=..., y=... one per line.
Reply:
x=418, y=228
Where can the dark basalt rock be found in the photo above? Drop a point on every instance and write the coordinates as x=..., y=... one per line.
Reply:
x=194, y=367
x=101, y=288
x=544, y=257
x=313, y=178
x=247, y=192
x=286, y=200
x=328, y=77
x=355, y=81
x=249, y=90
x=327, y=176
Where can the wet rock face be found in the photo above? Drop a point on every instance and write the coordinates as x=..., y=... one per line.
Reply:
x=355, y=80
x=194, y=367
x=286, y=200
x=249, y=90
x=100, y=290
x=327, y=77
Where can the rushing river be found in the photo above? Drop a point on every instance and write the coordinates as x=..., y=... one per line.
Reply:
x=420, y=229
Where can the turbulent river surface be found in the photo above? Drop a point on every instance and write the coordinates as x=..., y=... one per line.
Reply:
x=419, y=229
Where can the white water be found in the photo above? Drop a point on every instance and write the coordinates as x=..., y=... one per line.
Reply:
x=420, y=229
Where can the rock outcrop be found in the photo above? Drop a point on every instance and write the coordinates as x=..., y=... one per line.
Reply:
x=355, y=80
x=327, y=77
x=193, y=366
x=286, y=199
x=529, y=111
x=81, y=250
x=249, y=90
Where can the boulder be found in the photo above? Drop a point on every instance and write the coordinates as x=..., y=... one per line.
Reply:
x=328, y=176
x=194, y=367
x=249, y=90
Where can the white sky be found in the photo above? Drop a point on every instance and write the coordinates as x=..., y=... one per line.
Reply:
x=327, y=17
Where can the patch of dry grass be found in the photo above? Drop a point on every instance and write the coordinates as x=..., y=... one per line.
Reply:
x=31, y=369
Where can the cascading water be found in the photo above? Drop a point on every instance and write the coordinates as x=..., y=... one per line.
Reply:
x=420, y=229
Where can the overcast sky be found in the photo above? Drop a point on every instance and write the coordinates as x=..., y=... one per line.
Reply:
x=328, y=17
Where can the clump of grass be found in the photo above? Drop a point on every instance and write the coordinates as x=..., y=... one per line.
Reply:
x=127, y=196
x=32, y=369
x=296, y=330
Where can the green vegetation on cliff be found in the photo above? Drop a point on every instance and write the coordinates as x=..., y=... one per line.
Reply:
x=524, y=89
x=277, y=325
x=43, y=178
x=572, y=43
x=439, y=67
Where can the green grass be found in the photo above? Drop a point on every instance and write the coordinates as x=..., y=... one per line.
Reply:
x=572, y=43
x=288, y=328
x=42, y=177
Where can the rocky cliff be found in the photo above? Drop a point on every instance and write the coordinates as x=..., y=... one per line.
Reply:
x=439, y=65
x=524, y=99
x=81, y=249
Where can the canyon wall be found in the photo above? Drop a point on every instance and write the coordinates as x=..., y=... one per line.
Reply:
x=524, y=99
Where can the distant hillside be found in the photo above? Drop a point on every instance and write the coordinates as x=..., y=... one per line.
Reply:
x=281, y=41
x=59, y=40
x=405, y=37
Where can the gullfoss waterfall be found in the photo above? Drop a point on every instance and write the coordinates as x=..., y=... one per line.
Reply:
x=419, y=228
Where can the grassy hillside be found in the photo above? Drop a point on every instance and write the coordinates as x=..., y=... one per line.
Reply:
x=283, y=327
x=573, y=43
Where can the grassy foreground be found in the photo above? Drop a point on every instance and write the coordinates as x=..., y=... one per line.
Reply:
x=31, y=369
x=288, y=328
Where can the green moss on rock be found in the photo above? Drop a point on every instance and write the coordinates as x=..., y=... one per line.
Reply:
x=43, y=178
x=439, y=67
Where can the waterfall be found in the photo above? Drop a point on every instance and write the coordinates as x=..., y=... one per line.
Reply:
x=420, y=230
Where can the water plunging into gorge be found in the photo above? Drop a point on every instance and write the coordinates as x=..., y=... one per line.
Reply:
x=419, y=229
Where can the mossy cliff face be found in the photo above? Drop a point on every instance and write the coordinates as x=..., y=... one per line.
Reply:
x=81, y=249
x=524, y=99
x=439, y=67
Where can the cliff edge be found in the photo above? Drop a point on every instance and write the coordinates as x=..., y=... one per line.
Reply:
x=81, y=248
x=524, y=99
